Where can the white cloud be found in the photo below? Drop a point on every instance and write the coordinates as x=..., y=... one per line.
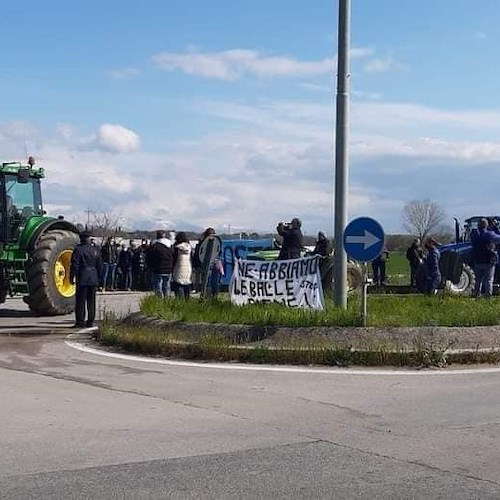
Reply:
x=124, y=73
x=234, y=64
x=382, y=65
x=274, y=161
x=313, y=87
x=361, y=94
x=118, y=139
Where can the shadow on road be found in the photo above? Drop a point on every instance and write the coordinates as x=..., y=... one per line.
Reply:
x=16, y=313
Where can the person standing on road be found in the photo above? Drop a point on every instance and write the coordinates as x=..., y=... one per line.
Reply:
x=182, y=267
x=125, y=265
x=433, y=274
x=86, y=267
x=109, y=257
x=415, y=256
x=485, y=257
x=292, y=239
x=159, y=258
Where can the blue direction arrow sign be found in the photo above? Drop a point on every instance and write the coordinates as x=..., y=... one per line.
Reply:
x=363, y=239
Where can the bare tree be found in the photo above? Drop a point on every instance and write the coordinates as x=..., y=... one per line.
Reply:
x=105, y=223
x=422, y=217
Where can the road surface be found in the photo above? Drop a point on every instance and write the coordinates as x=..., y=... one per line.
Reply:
x=75, y=424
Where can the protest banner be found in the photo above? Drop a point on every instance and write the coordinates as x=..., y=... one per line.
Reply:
x=293, y=283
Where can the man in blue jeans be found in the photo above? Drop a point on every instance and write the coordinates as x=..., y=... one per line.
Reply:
x=159, y=258
x=109, y=257
x=484, y=256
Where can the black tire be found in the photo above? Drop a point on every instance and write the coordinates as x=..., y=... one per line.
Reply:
x=354, y=275
x=466, y=284
x=45, y=298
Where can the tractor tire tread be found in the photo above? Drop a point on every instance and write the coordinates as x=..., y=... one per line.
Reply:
x=43, y=299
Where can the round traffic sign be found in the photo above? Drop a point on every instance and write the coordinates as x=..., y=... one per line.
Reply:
x=364, y=239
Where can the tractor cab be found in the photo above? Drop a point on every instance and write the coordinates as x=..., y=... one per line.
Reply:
x=471, y=225
x=20, y=199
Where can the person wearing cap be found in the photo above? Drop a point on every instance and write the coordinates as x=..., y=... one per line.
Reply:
x=292, y=239
x=484, y=256
x=86, y=268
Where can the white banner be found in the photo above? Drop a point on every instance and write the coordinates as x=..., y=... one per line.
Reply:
x=293, y=283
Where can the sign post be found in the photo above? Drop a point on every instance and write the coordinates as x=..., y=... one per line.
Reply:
x=364, y=242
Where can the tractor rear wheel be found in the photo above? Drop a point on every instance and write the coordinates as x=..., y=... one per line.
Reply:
x=51, y=292
x=354, y=275
x=466, y=284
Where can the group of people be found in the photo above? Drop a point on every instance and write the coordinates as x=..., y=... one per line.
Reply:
x=485, y=256
x=425, y=271
x=425, y=261
x=124, y=268
x=170, y=267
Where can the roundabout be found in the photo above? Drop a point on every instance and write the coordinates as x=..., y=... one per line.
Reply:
x=126, y=426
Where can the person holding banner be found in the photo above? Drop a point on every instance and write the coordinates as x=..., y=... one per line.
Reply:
x=292, y=239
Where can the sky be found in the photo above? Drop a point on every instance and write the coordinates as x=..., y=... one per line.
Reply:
x=184, y=114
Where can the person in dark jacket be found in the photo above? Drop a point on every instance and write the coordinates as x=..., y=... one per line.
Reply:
x=125, y=266
x=433, y=271
x=493, y=225
x=323, y=246
x=292, y=239
x=140, y=279
x=86, y=267
x=484, y=256
x=197, y=264
x=159, y=259
x=379, y=267
x=109, y=257
x=415, y=256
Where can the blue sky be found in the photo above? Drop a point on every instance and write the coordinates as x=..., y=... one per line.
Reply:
x=181, y=113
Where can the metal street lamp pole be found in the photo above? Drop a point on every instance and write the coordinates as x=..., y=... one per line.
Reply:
x=342, y=154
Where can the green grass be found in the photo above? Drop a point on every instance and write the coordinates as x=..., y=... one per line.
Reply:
x=169, y=343
x=383, y=311
x=398, y=269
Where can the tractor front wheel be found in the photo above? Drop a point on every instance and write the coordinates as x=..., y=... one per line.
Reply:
x=51, y=292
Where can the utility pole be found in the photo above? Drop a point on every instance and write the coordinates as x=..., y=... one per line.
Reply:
x=89, y=212
x=342, y=153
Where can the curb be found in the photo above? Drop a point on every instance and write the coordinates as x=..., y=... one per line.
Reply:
x=457, y=340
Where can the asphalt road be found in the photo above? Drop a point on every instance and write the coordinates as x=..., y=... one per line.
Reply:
x=74, y=424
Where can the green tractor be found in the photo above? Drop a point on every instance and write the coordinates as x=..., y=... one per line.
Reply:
x=35, y=250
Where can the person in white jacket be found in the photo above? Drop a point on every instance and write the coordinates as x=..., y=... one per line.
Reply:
x=183, y=269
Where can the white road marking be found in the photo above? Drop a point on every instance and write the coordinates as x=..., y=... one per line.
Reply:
x=281, y=369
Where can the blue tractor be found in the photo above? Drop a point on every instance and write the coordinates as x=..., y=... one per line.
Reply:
x=456, y=258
